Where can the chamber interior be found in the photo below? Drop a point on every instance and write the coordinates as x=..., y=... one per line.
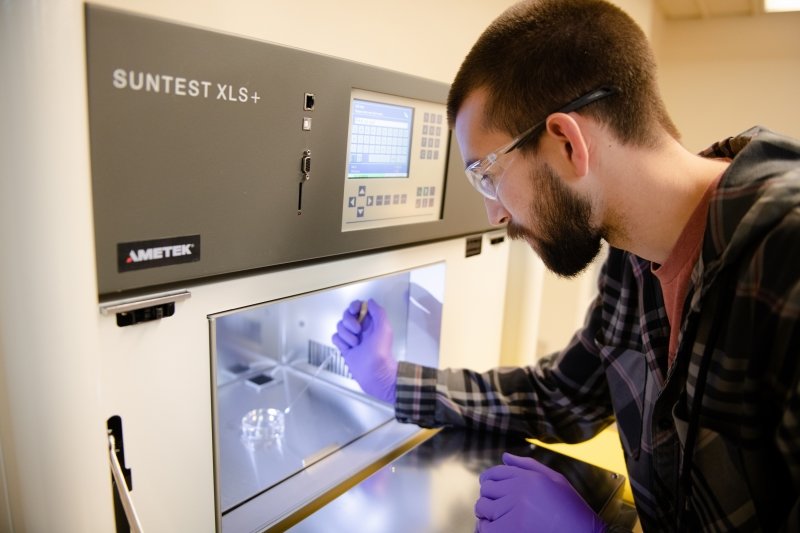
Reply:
x=271, y=355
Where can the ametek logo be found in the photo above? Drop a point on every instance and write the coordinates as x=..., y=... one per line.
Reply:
x=162, y=252
x=157, y=252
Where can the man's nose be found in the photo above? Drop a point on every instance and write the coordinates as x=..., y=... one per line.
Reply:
x=496, y=212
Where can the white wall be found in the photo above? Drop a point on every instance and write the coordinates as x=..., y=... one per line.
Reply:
x=48, y=349
x=721, y=76
x=419, y=37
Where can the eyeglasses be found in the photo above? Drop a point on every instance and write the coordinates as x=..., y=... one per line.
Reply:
x=479, y=173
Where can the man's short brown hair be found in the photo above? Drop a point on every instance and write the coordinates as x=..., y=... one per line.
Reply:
x=540, y=54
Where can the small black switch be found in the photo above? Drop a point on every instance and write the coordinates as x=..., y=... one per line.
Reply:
x=146, y=314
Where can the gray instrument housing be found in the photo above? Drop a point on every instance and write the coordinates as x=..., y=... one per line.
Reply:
x=228, y=173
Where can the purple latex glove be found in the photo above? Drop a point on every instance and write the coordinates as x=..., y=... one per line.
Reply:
x=367, y=349
x=524, y=495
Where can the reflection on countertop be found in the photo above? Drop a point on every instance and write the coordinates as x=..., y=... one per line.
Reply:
x=433, y=487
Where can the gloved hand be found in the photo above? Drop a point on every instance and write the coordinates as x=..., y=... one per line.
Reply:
x=367, y=349
x=524, y=495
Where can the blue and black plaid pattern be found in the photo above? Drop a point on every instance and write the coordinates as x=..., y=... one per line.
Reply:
x=746, y=459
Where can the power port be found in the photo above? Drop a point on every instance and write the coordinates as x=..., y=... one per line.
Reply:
x=308, y=102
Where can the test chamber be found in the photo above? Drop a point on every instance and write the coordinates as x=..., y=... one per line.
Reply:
x=278, y=357
x=244, y=193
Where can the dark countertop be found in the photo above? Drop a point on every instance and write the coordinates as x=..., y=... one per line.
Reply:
x=434, y=487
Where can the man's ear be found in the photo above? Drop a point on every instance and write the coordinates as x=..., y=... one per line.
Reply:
x=573, y=151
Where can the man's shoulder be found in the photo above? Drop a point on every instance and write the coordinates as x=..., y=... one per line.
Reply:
x=751, y=140
x=775, y=261
x=759, y=154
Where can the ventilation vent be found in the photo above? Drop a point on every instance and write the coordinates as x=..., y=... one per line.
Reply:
x=474, y=245
x=318, y=353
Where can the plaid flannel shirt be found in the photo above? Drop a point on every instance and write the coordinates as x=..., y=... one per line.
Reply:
x=745, y=473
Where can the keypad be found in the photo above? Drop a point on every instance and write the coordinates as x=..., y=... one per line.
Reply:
x=431, y=136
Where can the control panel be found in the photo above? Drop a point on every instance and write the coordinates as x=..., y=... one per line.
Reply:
x=396, y=155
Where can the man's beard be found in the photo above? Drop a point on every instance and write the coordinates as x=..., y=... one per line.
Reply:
x=566, y=241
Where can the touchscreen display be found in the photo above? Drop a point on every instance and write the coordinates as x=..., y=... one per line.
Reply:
x=380, y=140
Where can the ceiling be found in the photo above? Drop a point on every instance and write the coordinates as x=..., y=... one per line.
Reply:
x=704, y=9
